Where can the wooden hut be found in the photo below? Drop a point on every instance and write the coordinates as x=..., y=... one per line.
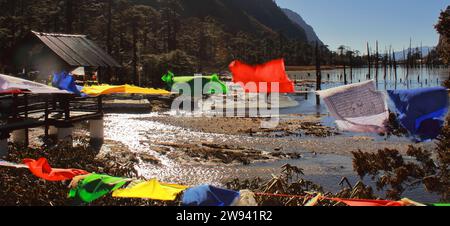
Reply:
x=36, y=58
x=40, y=54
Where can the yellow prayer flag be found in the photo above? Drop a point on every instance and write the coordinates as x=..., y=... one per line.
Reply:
x=151, y=190
x=125, y=89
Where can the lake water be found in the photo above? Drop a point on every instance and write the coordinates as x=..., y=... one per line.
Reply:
x=406, y=79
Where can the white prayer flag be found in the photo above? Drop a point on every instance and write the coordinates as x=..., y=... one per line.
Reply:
x=357, y=107
x=12, y=165
x=10, y=84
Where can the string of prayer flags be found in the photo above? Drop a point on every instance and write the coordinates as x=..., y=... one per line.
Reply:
x=87, y=188
x=357, y=107
x=421, y=111
x=95, y=186
x=207, y=195
x=42, y=169
x=152, y=189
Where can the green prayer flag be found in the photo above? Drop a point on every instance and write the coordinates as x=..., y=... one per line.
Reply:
x=174, y=82
x=442, y=204
x=95, y=186
x=168, y=78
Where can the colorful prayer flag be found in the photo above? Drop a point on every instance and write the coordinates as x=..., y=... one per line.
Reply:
x=42, y=169
x=260, y=78
x=421, y=111
x=368, y=203
x=442, y=204
x=65, y=81
x=357, y=107
x=95, y=186
x=374, y=203
x=14, y=85
x=314, y=201
x=151, y=190
x=12, y=165
x=174, y=83
x=124, y=89
x=207, y=195
x=246, y=198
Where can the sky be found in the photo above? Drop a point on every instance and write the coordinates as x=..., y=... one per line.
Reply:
x=354, y=22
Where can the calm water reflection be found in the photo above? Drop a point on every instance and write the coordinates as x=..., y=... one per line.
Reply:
x=406, y=79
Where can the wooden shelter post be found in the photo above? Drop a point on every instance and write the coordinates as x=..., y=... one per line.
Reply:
x=4, y=149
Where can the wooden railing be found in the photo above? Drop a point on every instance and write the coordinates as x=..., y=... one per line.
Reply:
x=25, y=111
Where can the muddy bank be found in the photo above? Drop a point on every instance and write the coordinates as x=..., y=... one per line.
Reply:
x=303, y=126
x=209, y=153
x=294, y=134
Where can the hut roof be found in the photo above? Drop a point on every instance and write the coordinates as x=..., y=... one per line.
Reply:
x=76, y=50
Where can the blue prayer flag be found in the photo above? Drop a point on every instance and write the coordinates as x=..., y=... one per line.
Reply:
x=207, y=195
x=421, y=111
x=65, y=81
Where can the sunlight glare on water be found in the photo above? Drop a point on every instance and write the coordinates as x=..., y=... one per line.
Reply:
x=136, y=133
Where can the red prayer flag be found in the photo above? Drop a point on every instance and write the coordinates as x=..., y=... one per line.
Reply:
x=262, y=76
x=42, y=169
x=12, y=91
x=369, y=203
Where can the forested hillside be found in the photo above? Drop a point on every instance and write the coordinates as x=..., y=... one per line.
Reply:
x=149, y=37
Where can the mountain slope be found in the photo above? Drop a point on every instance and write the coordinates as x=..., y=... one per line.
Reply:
x=269, y=14
x=252, y=16
x=296, y=18
x=224, y=11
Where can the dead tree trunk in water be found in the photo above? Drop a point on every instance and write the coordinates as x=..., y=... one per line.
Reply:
x=385, y=64
x=395, y=68
x=351, y=67
x=377, y=57
x=390, y=57
x=421, y=54
x=409, y=61
x=345, y=74
x=394, y=64
x=318, y=74
x=368, y=59
x=404, y=56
